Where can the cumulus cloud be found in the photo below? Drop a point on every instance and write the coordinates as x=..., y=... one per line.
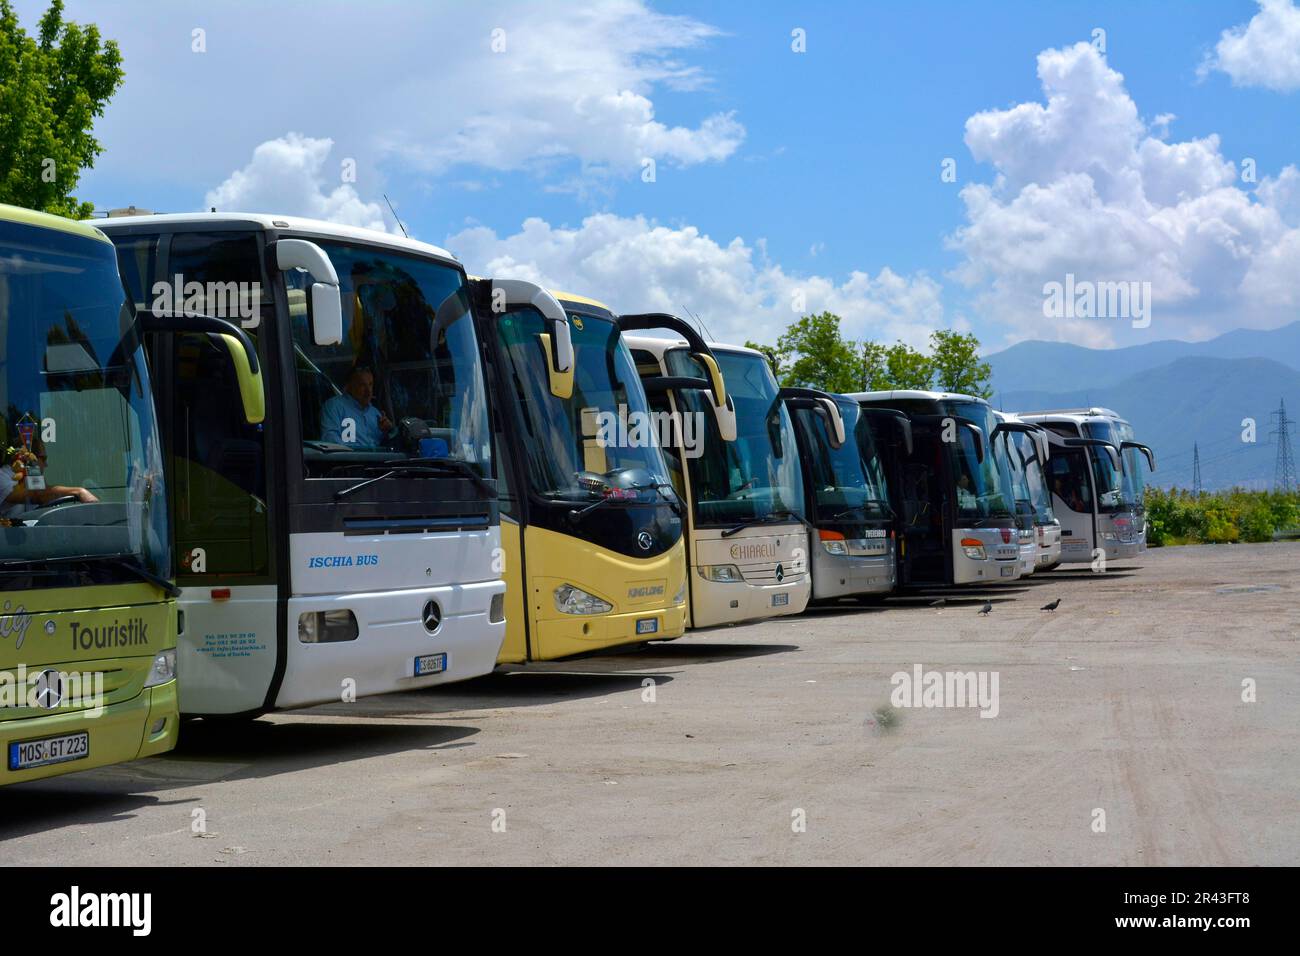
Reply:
x=287, y=175
x=560, y=90
x=1265, y=52
x=634, y=264
x=1084, y=186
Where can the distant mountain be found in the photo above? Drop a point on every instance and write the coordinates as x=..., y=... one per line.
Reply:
x=1057, y=366
x=1190, y=399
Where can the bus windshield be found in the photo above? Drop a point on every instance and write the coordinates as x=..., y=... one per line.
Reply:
x=1114, y=491
x=387, y=391
x=1135, y=479
x=757, y=476
x=848, y=481
x=984, y=488
x=82, y=474
x=575, y=445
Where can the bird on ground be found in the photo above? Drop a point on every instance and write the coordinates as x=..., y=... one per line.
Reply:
x=988, y=606
x=939, y=603
x=1051, y=607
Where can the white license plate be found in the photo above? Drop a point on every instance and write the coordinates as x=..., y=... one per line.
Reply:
x=1007, y=572
x=647, y=625
x=780, y=600
x=430, y=664
x=24, y=754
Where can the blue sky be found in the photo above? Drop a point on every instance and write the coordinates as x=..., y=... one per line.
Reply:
x=782, y=178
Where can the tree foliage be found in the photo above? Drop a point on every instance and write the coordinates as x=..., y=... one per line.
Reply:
x=814, y=352
x=52, y=88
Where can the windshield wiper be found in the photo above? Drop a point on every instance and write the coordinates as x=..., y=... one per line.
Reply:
x=881, y=506
x=422, y=466
x=658, y=486
x=769, y=517
x=123, y=561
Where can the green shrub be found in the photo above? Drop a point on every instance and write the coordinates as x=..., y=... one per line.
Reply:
x=1176, y=516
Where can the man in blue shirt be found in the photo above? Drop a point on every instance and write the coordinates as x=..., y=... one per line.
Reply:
x=352, y=418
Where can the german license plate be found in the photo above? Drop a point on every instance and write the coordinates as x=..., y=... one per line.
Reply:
x=25, y=754
x=647, y=625
x=780, y=600
x=430, y=664
x=1007, y=572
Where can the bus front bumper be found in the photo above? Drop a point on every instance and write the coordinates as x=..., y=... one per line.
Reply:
x=146, y=725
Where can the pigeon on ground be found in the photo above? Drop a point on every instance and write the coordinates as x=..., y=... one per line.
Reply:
x=1051, y=607
x=939, y=603
x=988, y=606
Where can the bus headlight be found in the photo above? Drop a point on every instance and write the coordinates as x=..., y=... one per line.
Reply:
x=974, y=548
x=722, y=573
x=163, y=669
x=570, y=599
x=833, y=542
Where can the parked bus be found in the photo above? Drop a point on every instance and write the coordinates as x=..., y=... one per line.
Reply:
x=1040, y=532
x=845, y=496
x=734, y=459
x=590, y=525
x=1096, y=505
x=88, y=626
x=350, y=544
x=951, y=494
x=1134, y=478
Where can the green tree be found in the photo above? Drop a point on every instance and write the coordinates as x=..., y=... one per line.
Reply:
x=875, y=368
x=905, y=367
x=51, y=90
x=957, y=365
x=814, y=353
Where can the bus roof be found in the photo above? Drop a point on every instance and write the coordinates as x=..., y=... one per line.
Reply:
x=291, y=225
x=568, y=298
x=659, y=344
x=1093, y=412
x=915, y=395
x=43, y=220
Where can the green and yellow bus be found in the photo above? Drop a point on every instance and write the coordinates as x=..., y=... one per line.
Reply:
x=87, y=613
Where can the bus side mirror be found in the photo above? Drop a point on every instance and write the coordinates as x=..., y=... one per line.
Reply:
x=834, y=421
x=1146, y=452
x=243, y=354
x=326, y=302
x=724, y=411
x=557, y=342
x=251, y=393
x=977, y=434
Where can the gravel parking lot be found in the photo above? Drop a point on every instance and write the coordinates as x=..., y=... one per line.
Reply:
x=773, y=743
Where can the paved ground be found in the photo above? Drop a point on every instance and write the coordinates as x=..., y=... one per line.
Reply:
x=1128, y=700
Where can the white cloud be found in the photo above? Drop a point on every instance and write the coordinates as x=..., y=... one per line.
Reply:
x=288, y=175
x=1084, y=186
x=576, y=90
x=637, y=265
x=1265, y=52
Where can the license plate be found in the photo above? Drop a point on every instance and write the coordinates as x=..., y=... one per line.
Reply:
x=780, y=600
x=24, y=754
x=430, y=664
x=647, y=625
x=1007, y=572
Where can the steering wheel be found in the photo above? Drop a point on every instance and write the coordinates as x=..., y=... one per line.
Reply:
x=61, y=500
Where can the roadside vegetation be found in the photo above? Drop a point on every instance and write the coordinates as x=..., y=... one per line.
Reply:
x=1177, y=516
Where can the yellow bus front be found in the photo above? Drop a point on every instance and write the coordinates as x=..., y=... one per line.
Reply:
x=87, y=616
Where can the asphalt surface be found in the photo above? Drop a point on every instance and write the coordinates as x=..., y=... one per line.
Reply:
x=772, y=743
